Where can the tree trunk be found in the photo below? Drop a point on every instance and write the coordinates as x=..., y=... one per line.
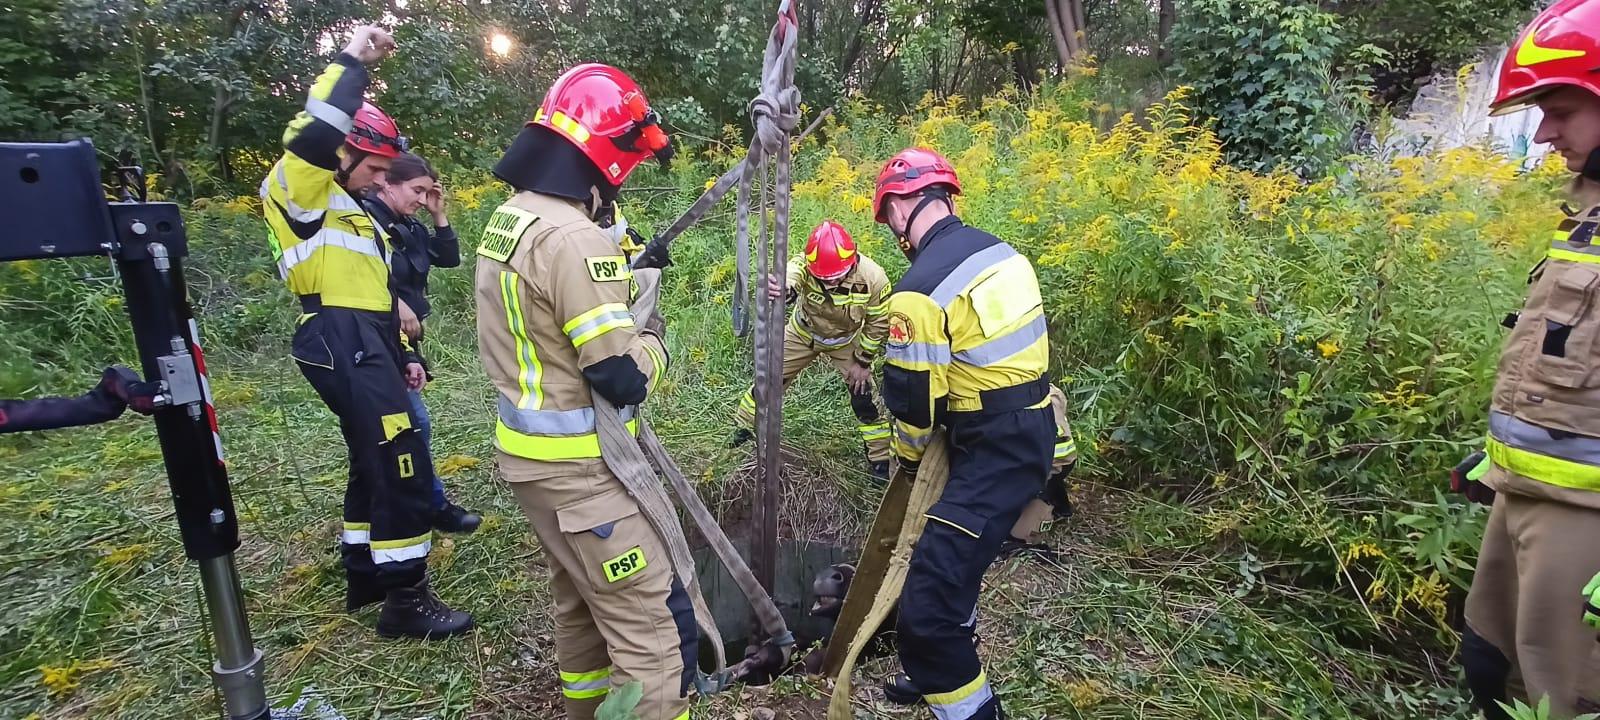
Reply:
x=1071, y=13
x=1167, y=16
x=852, y=53
x=1057, y=33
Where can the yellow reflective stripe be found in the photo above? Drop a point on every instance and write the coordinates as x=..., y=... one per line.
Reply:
x=582, y=686
x=962, y=703
x=1572, y=256
x=551, y=447
x=597, y=322
x=960, y=693
x=530, y=377
x=1066, y=448
x=660, y=368
x=869, y=344
x=1544, y=468
x=566, y=124
x=600, y=674
x=684, y=716
x=403, y=542
x=356, y=533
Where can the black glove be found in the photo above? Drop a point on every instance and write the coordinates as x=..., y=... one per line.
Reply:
x=1055, y=493
x=1465, y=475
x=125, y=385
x=655, y=255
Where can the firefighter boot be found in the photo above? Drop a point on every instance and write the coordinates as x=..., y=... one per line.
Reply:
x=879, y=470
x=901, y=691
x=739, y=437
x=415, y=612
x=453, y=518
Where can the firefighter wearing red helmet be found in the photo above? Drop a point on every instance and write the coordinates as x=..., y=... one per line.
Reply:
x=966, y=351
x=348, y=342
x=1534, y=604
x=558, y=321
x=840, y=298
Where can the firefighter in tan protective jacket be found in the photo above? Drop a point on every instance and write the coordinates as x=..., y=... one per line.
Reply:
x=840, y=298
x=554, y=325
x=1534, y=606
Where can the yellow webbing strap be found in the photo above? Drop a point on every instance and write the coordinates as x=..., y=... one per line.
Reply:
x=881, y=574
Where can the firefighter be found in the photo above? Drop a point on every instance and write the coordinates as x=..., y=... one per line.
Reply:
x=841, y=312
x=415, y=249
x=348, y=342
x=966, y=351
x=1537, y=582
x=555, y=326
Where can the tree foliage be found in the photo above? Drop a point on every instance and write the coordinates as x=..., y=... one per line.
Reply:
x=1266, y=70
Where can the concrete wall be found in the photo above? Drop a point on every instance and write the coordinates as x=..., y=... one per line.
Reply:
x=1453, y=111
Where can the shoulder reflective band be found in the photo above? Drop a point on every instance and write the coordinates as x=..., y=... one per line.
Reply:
x=951, y=286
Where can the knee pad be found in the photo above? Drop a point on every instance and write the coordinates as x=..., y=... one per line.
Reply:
x=865, y=409
x=1487, y=670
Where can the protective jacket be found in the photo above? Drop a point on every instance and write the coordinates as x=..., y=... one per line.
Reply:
x=966, y=334
x=415, y=249
x=329, y=246
x=553, y=321
x=1544, y=421
x=966, y=351
x=855, y=311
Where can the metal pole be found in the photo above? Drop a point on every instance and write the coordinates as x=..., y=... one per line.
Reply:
x=239, y=669
x=150, y=251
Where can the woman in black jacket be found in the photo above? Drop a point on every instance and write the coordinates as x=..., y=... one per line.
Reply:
x=411, y=184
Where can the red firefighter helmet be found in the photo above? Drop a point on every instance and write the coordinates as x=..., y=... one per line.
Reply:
x=830, y=252
x=910, y=171
x=375, y=132
x=602, y=111
x=1560, y=47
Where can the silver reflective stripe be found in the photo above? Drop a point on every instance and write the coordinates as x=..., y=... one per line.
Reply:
x=969, y=270
x=578, y=421
x=622, y=318
x=964, y=708
x=1005, y=346
x=329, y=237
x=797, y=321
x=356, y=537
x=1524, y=435
x=931, y=353
x=402, y=554
x=910, y=440
x=604, y=682
x=329, y=114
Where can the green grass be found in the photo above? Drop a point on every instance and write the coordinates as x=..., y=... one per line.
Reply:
x=1152, y=612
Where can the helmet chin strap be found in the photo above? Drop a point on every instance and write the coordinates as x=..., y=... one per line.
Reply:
x=903, y=239
x=347, y=165
x=1591, y=166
